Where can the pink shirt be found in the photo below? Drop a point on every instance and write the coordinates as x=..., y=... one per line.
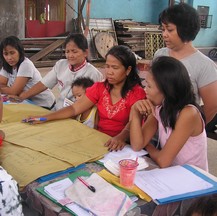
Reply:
x=113, y=117
x=194, y=151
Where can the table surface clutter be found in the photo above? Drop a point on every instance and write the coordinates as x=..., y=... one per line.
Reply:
x=55, y=163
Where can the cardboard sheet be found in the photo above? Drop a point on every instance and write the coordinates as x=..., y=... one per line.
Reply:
x=26, y=165
x=46, y=147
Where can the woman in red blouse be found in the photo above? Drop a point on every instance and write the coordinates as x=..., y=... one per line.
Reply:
x=113, y=97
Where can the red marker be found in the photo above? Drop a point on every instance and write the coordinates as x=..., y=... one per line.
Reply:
x=87, y=185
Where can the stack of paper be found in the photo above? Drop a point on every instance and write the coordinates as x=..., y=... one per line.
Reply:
x=75, y=197
x=175, y=183
x=111, y=159
x=57, y=189
x=105, y=201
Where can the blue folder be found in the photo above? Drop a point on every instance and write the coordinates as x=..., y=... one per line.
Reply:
x=190, y=195
x=57, y=174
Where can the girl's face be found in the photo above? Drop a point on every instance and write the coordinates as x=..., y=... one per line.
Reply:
x=152, y=91
x=74, y=54
x=170, y=36
x=115, y=72
x=78, y=92
x=11, y=55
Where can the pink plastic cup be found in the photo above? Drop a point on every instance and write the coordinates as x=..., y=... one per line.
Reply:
x=128, y=169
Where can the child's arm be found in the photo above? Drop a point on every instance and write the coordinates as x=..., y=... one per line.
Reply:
x=96, y=120
x=188, y=124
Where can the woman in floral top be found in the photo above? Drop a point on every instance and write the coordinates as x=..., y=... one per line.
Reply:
x=113, y=97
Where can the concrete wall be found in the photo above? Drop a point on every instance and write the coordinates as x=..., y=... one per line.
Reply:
x=148, y=11
x=138, y=10
x=12, y=18
x=207, y=36
x=13, y=15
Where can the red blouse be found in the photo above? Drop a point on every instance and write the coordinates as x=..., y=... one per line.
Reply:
x=113, y=117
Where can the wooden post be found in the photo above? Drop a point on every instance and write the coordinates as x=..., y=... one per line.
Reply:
x=87, y=18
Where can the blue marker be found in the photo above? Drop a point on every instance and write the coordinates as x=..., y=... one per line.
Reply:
x=34, y=119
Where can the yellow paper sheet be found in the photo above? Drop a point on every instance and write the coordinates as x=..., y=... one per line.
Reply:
x=66, y=140
x=115, y=180
x=26, y=165
x=17, y=112
x=64, y=143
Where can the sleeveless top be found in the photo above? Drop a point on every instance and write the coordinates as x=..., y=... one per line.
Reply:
x=194, y=151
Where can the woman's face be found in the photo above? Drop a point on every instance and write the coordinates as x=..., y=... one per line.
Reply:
x=115, y=72
x=152, y=91
x=74, y=54
x=11, y=55
x=170, y=36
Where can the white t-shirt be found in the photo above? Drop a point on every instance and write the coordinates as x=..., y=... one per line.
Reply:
x=64, y=77
x=27, y=69
x=201, y=69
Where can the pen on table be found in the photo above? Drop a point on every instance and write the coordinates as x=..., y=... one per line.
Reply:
x=86, y=184
x=34, y=119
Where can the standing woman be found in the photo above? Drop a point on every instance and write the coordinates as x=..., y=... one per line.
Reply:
x=113, y=97
x=19, y=74
x=180, y=25
x=65, y=71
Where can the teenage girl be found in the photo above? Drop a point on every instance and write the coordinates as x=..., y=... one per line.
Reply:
x=171, y=109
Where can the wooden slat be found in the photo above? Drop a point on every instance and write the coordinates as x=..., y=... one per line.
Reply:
x=47, y=50
x=38, y=42
x=49, y=63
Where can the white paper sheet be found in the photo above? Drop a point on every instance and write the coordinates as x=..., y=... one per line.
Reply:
x=111, y=159
x=163, y=183
x=57, y=191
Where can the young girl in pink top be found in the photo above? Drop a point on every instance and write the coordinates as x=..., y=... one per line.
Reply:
x=170, y=109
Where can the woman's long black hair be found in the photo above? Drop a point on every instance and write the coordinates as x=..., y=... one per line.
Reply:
x=127, y=58
x=174, y=82
x=16, y=43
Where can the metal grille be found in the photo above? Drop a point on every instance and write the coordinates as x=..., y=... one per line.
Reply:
x=153, y=42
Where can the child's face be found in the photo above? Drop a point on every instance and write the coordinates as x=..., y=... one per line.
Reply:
x=152, y=91
x=78, y=92
x=74, y=54
x=11, y=55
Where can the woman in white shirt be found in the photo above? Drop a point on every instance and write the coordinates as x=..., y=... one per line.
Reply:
x=19, y=74
x=65, y=71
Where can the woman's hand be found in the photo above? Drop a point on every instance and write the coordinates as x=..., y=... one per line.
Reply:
x=115, y=144
x=143, y=107
x=34, y=120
